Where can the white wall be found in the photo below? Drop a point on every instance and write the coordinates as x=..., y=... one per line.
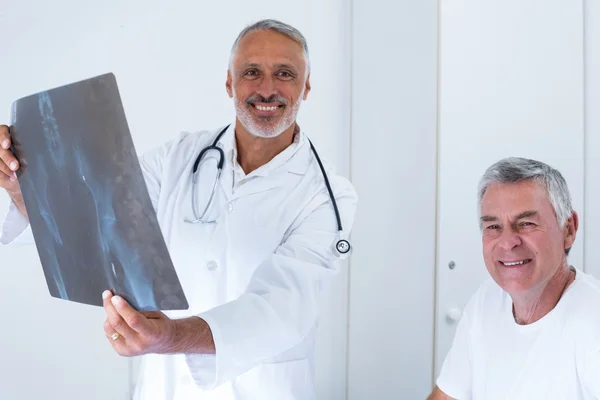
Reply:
x=393, y=167
x=592, y=135
x=170, y=62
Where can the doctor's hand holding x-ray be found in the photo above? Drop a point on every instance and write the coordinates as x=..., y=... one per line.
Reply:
x=255, y=226
x=8, y=167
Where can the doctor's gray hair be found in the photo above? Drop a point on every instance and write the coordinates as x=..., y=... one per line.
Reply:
x=513, y=170
x=277, y=26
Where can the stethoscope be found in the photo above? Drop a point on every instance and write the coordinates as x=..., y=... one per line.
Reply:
x=341, y=246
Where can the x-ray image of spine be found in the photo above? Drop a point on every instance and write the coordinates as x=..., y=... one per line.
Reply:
x=81, y=203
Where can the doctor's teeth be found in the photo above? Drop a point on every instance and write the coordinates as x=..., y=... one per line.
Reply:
x=510, y=264
x=261, y=108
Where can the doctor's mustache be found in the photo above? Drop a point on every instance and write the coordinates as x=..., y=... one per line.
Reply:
x=257, y=98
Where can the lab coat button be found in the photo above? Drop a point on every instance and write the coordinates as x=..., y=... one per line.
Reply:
x=211, y=265
x=230, y=207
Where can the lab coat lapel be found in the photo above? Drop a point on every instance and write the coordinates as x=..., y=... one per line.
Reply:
x=278, y=177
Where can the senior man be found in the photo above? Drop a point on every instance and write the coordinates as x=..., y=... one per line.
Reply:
x=532, y=331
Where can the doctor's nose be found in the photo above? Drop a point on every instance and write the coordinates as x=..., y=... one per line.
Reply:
x=267, y=87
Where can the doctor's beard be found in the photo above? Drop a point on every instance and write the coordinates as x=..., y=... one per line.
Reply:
x=266, y=127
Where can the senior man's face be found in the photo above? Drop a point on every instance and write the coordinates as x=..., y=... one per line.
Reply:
x=267, y=82
x=523, y=244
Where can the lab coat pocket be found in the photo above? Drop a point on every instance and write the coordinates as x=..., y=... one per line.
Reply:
x=290, y=380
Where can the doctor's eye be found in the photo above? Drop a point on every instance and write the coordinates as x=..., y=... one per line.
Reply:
x=492, y=227
x=251, y=73
x=285, y=75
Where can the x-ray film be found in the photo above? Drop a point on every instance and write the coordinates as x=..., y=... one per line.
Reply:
x=90, y=213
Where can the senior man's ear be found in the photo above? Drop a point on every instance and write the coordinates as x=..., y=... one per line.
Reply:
x=571, y=227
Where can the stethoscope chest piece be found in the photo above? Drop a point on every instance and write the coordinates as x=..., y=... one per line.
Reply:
x=342, y=248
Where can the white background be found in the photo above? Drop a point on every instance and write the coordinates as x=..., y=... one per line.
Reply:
x=393, y=167
x=412, y=99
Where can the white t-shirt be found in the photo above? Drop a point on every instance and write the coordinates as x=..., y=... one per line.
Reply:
x=557, y=357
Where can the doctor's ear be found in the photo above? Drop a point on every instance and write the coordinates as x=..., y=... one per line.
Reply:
x=228, y=84
x=307, y=87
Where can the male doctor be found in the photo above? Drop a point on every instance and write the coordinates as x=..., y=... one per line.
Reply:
x=254, y=275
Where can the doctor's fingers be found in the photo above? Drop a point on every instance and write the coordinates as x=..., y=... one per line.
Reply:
x=116, y=322
x=9, y=161
x=111, y=333
x=121, y=344
x=9, y=182
x=8, y=164
x=4, y=137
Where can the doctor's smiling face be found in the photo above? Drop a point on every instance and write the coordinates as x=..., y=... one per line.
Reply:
x=268, y=79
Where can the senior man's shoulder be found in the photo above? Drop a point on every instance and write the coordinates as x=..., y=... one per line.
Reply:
x=581, y=316
x=581, y=311
x=586, y=294
x=487, y=296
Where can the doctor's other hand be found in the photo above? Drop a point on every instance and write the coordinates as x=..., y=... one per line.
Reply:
x=133, y=333
x=8, y=167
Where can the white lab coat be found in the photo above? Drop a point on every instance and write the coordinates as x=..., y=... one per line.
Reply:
x=254, y=276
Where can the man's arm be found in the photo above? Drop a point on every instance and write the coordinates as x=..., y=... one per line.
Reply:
x=437, y=394
x=15, y=229
x=455, y=380
x=279, y=308
x=17, y=198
